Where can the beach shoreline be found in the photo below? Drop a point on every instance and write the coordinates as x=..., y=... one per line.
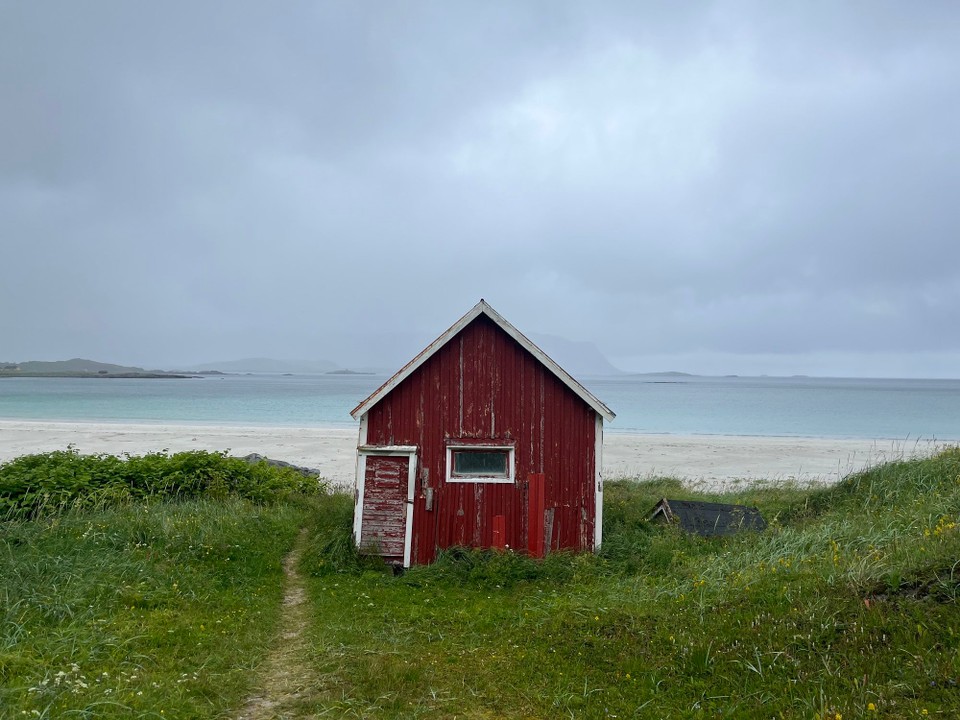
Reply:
x=708, y=461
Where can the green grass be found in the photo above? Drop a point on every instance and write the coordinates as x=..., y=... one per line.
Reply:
x=38, y=485
x=143, y=611
x=121, y=598
x=846, y=606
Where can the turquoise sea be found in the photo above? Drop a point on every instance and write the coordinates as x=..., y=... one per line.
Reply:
x=809, y=407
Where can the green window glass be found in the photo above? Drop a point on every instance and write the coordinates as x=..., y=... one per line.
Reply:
x=480, y=463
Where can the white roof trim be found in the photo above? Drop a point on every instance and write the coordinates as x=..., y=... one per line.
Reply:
x=482, y=308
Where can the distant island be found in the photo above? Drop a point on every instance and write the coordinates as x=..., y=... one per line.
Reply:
x=81, y=368
x=267, y=366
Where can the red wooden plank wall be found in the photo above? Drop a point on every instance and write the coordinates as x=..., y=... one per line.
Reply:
x=536, y=506
x=483, y=385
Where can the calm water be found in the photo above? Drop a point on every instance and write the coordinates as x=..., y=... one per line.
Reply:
x=813, y=407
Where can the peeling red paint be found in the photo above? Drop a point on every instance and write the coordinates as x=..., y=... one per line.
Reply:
x=384, y=508
x=483, y=383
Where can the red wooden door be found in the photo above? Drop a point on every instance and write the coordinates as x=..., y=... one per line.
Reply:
x=384, y=521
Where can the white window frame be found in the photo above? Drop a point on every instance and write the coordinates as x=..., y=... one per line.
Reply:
x=511, y=463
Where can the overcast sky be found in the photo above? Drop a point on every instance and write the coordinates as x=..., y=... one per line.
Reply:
x=713, y=187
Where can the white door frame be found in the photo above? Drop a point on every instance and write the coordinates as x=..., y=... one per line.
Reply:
x=409, y=451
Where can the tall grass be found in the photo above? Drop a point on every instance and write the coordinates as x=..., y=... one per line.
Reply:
x=36, y=485
x=846, y=607
x=140, y=587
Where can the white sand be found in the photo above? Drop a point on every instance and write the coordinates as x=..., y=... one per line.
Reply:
x=331, y=451
x=710, y=460
x=714, y=461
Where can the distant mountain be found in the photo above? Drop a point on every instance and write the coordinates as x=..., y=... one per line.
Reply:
x=576, y=357
x=77, y=367
x=269, y=365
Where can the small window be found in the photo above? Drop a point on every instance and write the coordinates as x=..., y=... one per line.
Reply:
x=479, y=464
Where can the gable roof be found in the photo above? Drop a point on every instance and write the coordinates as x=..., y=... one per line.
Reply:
x=707, y=519
x=482, y=308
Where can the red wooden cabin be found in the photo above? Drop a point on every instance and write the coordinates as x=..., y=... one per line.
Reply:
x=480, y=441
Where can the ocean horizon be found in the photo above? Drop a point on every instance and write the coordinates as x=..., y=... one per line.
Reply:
x=667, y=404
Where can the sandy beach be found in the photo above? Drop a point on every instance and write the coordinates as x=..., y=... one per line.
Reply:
x=707, y=460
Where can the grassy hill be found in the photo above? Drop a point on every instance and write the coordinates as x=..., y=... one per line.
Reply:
x=845, y=607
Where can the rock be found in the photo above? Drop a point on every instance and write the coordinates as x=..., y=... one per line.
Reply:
x=254, y=458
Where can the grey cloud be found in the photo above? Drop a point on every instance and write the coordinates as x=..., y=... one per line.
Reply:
x=183, y=182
